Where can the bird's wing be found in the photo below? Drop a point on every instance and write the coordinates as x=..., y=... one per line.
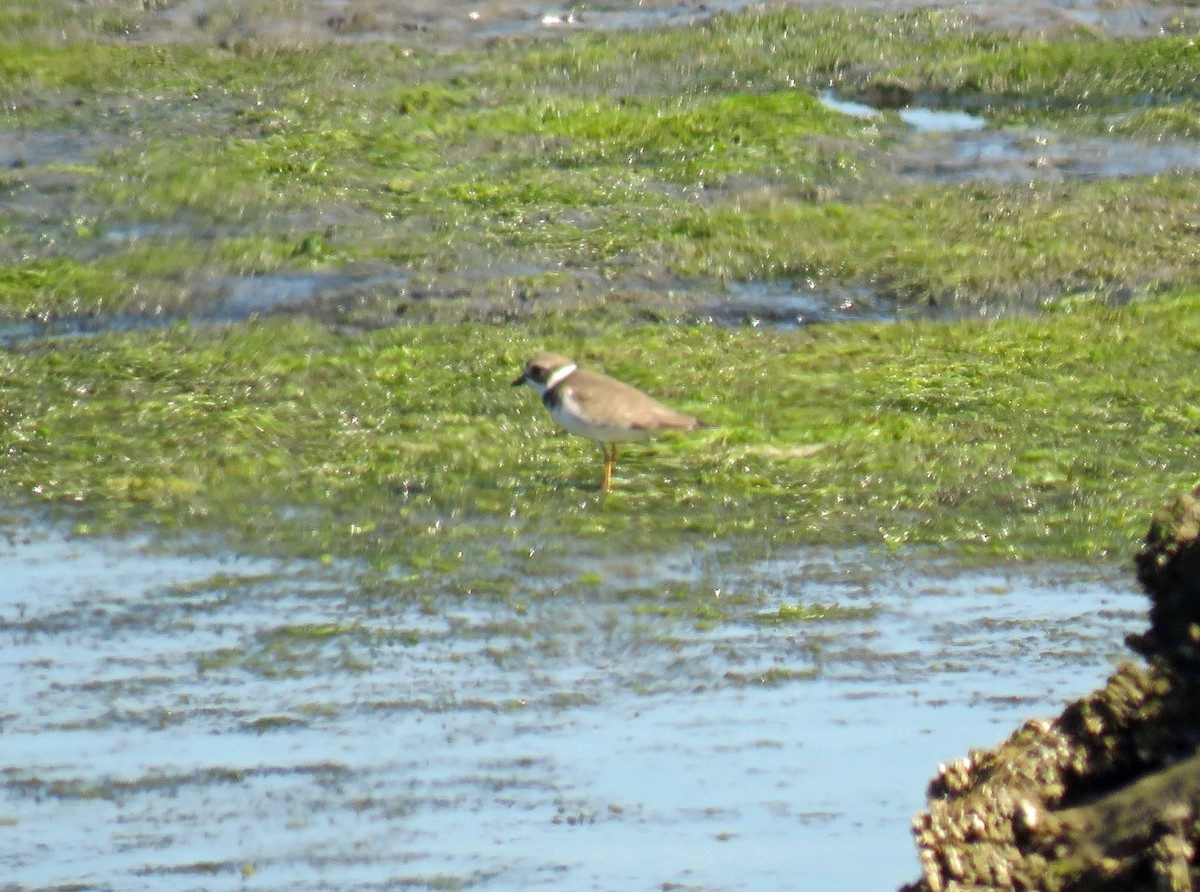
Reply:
x=634, y=409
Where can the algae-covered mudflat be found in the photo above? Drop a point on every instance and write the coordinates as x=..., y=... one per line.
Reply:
x=266, y=274
x=602, y=174
x=1047, y=436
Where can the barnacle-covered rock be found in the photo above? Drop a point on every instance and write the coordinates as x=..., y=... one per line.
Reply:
x=1106, y=796
x=1168, y=567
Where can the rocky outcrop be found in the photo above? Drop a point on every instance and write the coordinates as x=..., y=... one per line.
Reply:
x=1106, y=796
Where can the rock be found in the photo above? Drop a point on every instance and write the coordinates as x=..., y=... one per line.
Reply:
x=1168, y=567
x=886, y=93
x=1106, y=796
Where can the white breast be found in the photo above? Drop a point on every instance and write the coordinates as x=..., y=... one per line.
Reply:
x=570, y=418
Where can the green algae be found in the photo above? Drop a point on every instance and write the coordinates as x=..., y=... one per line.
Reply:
x=121, y=789
x=805, y=613
x=776, y=675
x=116, y=789
x=695, y=152
x=557, y=173
x=407, y=448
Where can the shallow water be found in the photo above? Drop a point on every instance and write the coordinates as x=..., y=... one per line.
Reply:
x=794, y=304
x=1021, y=156
x=920, y=118
x=951, y=145
x=181, y=722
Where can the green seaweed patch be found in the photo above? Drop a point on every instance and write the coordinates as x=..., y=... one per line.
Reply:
x=703, y=139
x=773, y=677
x=53, y=287
x=267, y=723
x=195, y=868
x=1076, y=68
x=315, y=631
x=1180, y=121
x=218, y=660
x=703, y=610
x=685, y=151
x=928, y=241
x=296, y=651
x=803, y=613
x=934, y=51
x=406, y=449
x=222, y=585
x=445, y=882
x=313, y=711
x=116, y=789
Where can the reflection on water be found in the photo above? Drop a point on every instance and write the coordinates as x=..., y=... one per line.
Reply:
x=175, y=722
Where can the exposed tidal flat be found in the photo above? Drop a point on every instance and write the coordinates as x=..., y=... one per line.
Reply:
x=614, y=174
x=299, y=593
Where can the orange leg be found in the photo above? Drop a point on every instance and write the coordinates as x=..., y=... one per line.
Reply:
x=610, y=460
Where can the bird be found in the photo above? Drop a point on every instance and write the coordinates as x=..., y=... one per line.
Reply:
x=598, y=407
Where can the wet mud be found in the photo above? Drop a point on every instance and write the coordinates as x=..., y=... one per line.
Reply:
x=178, y=721
x=367, y=299
x=422, y=22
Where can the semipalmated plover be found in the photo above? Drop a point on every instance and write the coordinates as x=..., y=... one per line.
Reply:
x=598, y=407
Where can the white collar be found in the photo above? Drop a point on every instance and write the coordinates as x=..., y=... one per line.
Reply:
x=557, y=378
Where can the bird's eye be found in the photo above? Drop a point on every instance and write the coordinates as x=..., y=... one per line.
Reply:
x=536, y=370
